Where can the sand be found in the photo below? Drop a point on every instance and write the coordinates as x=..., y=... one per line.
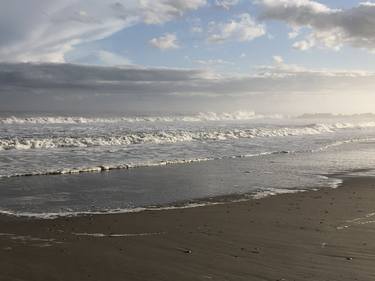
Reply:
x=317, y=235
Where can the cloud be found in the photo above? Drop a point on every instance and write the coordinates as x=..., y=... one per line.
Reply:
x=210, y=62
x=278, y=59
x=159, y=11
x=280, y=69
x=167, y=41
x=45, y=30
x=294, y=33
x=329, y=28
x=102, y=57
x=226, y=4
x=79, y=88
x=241, y=29
x=367, y=3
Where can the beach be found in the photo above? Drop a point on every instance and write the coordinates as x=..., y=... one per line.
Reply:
x=170, y=140
x=313, y=235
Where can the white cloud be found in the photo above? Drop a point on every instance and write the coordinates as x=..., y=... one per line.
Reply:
x=103, y=58
x=304, y=44
x=45, y=30
x=280, y=69
x=211, y=62
x=159, y=11
x=109, y=58
x=329, y=28
x=308, y=6
x=278, y=59
x=241, y=29
x=294, y=33
x=226, y=4
x=367, y=3
x=167, y=41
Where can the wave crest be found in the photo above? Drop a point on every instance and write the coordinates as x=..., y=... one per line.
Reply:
x=159, y=137
x=200, y=117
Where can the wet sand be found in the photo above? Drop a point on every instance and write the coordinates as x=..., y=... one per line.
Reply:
x=317, y=235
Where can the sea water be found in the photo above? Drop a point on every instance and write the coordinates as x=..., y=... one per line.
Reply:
x=61, y=165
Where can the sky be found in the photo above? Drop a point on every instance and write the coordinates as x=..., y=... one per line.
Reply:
x=279, y=56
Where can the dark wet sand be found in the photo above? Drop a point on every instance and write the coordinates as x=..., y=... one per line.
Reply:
x=304, y=236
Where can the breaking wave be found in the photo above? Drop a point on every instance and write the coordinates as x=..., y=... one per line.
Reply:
x=109, y=167
x=158, y=137
x=101, y=168
x=200, y=117
x=335, y=116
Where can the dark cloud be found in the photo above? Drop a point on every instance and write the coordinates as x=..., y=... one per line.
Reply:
x=330, y=27
x=69, y=87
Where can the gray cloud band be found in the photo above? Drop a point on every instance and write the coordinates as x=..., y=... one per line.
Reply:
x=31, y=77
x=46, y=86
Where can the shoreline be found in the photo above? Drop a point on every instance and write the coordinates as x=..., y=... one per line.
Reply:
x=178, y=205
x=300, y=236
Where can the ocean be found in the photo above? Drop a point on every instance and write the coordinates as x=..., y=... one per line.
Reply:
x=66, y=165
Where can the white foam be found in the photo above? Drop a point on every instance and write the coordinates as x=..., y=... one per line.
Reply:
x=27, y=238
x=358, y=221
x=331, y=182
x=335, y=115
x=104, y=168
x=103, y=235
x=274, y=191
x=53, y=215
x=158, y=137
x=200, y=117
x=107, y=167
x=343, y=142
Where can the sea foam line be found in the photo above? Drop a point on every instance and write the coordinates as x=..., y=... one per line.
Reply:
x=126, y=166
x=200, y=117
x=239, y=115
x=103, y=235
x=266, y=192
x=367, y=219
x=243, y=198
x=121, y=166
x=160, y=137
x=26, y=237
